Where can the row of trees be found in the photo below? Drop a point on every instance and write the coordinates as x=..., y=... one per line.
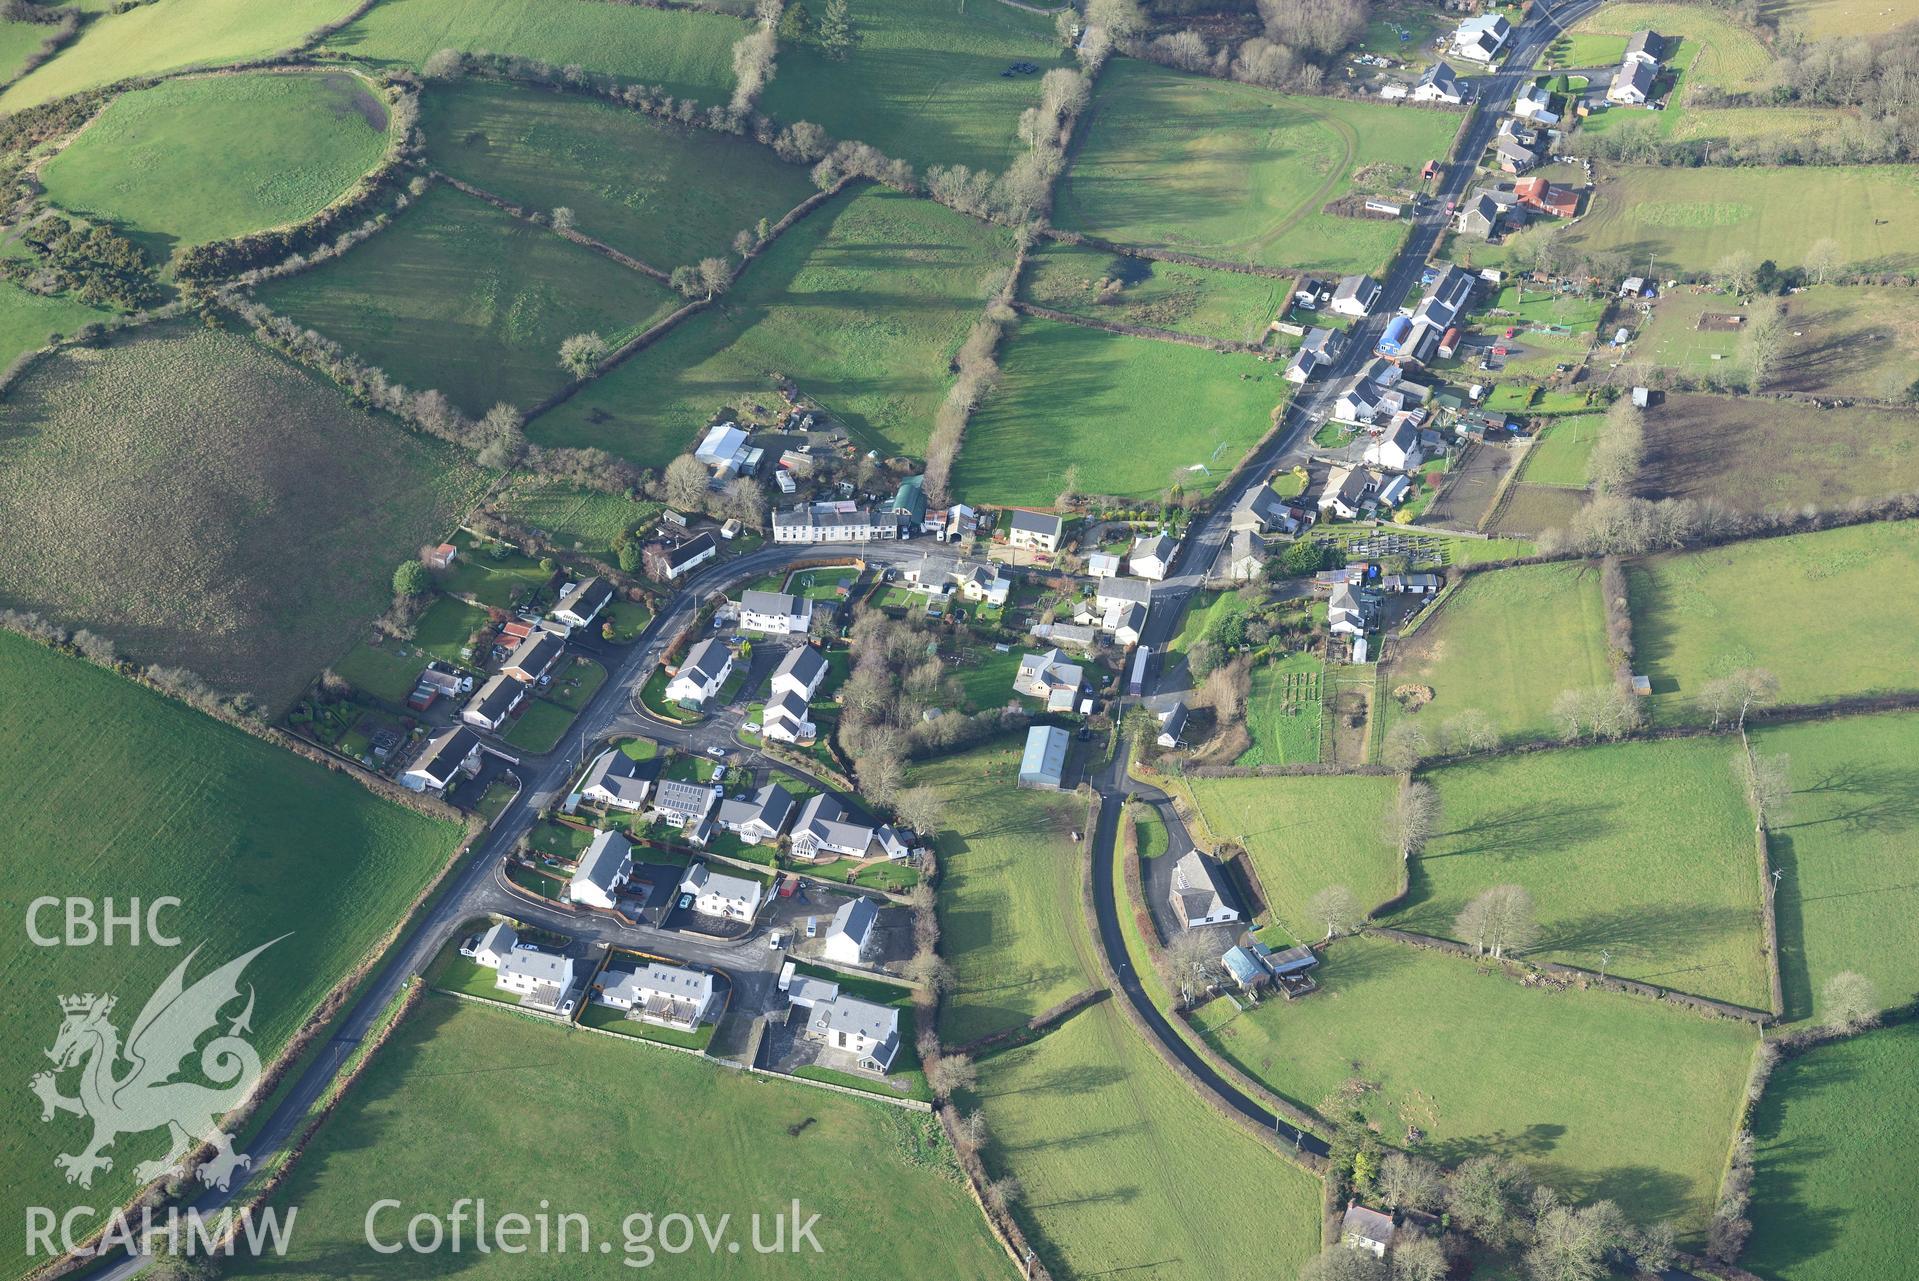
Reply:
x=978, y=373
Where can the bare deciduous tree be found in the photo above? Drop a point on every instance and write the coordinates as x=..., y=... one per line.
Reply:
x=1848, y=1002
x=1734, y=695
x=1410, y=821
x=1410, y=1182
x=920, y=808
x=1193, y=959
x=1468, y=732
x=1405, y=746
x=1823, y=260
x=686, y=482
x=1767, y=782
x=1613, y=465
x=1498, y=919
x=1336, y=906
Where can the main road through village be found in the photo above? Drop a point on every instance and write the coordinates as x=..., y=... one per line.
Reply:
x=474, y=888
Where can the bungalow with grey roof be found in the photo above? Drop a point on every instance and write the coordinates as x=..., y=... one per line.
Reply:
x=665, y=564
x=1366, y=1229
x=582, y=602
x=619, y=782
x=534, y=657
x=1172, y=725
x=444, y=760
x=1050, y=677
x=1357, y=295
x=682, y=804
x=1439, y=84
x=1196, y=895
x=759, y=817
x=1632, y=84
x=827, y=827
x=494, y=702
x=499, y=939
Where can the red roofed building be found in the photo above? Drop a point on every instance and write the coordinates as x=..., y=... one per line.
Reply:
x=1537, y=193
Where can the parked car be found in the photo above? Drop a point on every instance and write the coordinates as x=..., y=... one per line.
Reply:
x=566, y=1008
x=812, y=927
x=686, y=902
x=775, y=941
x=719, y=773
x=717, y=753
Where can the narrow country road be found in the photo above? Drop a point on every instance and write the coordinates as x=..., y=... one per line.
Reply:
x=1207, y=537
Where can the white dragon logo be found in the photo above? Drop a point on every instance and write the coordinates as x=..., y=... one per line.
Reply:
x=146, y=1097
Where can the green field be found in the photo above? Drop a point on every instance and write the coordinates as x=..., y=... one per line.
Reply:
x=685, y=52
x=584, y=519
x=208, y=506
x=1689, y=219
x=665, y=194
x=1125, y=1170
x=1821, y=19
x=1852, y=595
x=1009, y=877
x=1836, y=1132
x=1597, y=1094
x=28, y=320
x=1755, y=455
x=1162, y=295
x=1130, y=415
x=116, y=791
x=1859, y=340
x=460, y=296
x=1305, y=834
x=213, y=157
x=1227, y=171
x=1506, y=643
x=164, y=37
x=465, y=1073
x=1558, y=455
x=863, y=303
x=923, y=84
x=1283, y=712
x=18, y=40
x=1845, y=842
x=1642, y=851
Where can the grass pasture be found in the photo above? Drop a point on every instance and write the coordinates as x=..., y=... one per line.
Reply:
x=1848, y=897
x=255, y=842
x=923, y=84
x=460, y=296
x=1639, y=850
x=1858, y=340
x=684, y=51
x=1303, y=834
x=1689, y=219
x=1505, y=643
x=1756, y=454
x=1228, y=171
x=212, y=157
x=1557, y=457
x=863, y=303
x=18, y=41
x=1598, y=1095
x=1852, y=595
x=208, y=506
x=149, y=39
x=1010, y=891
x=1125, y=1170
x=688, y=1136
x=1130, y=415
x=1836, y=1130
x=664, y=194
x=29, y=320
x=1821, y=19
x=1163, y=295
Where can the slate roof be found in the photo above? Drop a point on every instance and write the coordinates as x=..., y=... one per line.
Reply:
x=586, y=597
x=804, y=664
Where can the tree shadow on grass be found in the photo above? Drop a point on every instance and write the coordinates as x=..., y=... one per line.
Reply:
x=1527, y=828
x=1644, y=930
